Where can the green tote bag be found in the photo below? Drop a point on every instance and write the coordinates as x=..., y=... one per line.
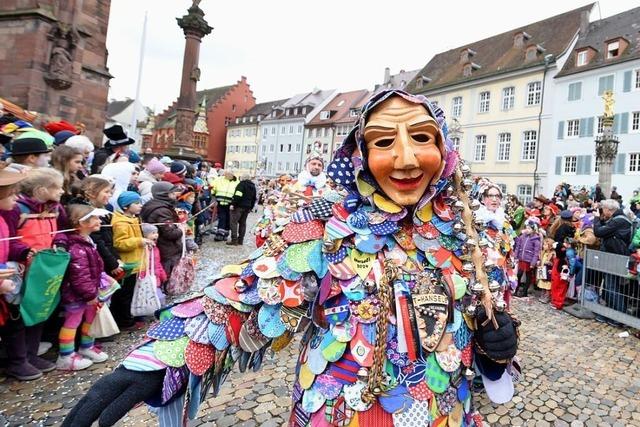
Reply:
x=42, y=285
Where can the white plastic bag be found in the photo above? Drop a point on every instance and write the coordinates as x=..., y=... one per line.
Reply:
x=103, y=324
x=145, y=299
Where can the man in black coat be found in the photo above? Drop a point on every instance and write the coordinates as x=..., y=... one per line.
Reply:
x=613, y=228
x=117, y=143
x=243, y=201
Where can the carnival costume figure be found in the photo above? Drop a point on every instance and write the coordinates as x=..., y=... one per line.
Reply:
x=395, y=295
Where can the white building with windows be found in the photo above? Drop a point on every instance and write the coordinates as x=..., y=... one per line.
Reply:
x=243, y=139
x=282, y=132
x=606, y=57
x=496, y=94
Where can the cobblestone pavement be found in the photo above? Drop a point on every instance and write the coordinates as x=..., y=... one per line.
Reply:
x=576, y=372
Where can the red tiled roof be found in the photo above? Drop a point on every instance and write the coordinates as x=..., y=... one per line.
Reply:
x=339, y=106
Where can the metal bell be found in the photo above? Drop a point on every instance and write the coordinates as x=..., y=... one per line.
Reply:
x=458, y=227
x=471, y=310
x=469, y=374
x=449, y=192
x=477, y=288
x=363, y=374
x=467, y=184
x=501, y=305
x=370, y=286
x=328, y=245
x=240, y=286
x=483, y=243
x=494, y=286
x=468, y=267
x=470, y=242
x=458, y=205
x=465, y=169
x=475, y=205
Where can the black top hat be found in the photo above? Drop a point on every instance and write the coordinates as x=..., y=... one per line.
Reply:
x=25, y=146
x=117, y=136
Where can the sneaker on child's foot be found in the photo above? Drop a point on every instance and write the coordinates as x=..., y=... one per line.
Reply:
x=72, y=362
x=94, y=354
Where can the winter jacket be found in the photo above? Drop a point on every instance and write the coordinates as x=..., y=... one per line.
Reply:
x=36, y=222
x=615, y=233
x=245, y=195
x=146, y=181
x=104, y=243
x=223, y=190
x=127, y=239
x=575, y=265
x=82, y=279
x=527, y=248
x=157, y=211
x=10, y=250
x=100, y=157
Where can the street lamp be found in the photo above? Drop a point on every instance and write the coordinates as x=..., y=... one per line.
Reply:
x=606, y=145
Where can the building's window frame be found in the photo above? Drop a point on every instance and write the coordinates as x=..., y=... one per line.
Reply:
x=529, y=145
x=534, y=93
x=508, y=100
x=569, y=165
x=503, y=152
x=484, y=102
x=480, y=149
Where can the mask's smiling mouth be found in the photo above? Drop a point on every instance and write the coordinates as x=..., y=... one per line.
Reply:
x=408, y=183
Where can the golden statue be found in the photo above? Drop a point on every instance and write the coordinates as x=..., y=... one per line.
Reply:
x=609, y=102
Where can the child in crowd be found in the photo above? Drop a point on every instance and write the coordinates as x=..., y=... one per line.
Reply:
x=161, y=210
x=36, y=218
x=527, y=253
x=184, y=208
x=130, y=244
x=150, y=232
x=12, y=329
x=574, y=263
x=79, y=290
x=546, y=264
x=67, y=161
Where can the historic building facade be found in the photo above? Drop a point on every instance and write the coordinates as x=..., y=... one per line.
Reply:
x=282, y=132
x=222, y=105
x=605, y=58
x=243, y=139
x=53, y=60
x=496, y=94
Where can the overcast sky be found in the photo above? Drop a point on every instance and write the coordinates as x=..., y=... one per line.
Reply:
x=285, y=47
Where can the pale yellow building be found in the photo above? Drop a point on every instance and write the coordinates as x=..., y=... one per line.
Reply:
x=243, y=139
x=494, y=93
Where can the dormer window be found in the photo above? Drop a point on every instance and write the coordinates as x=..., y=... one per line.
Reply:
x=353, y=112
x=295, y=111
x=616, y=47
x=467, y=70
x=466, y=54
x=520, y=38
x=613, y=49
x=287, y=112
x=341, y=103
x=324, y=115
x=238, y=120
x=304, y=110
x=582, y=58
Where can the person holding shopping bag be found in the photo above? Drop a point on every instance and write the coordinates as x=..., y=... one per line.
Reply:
x=80, y=290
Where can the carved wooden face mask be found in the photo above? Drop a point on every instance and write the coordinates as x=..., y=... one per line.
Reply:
x=402, y=142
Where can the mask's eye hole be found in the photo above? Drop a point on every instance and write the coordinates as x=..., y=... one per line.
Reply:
x=421, y=137
x=384, y=143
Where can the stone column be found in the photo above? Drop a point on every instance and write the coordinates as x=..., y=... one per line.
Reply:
x=606, y=153
x=195, y=28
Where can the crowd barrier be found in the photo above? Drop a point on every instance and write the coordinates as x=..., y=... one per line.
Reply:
x=607, y=290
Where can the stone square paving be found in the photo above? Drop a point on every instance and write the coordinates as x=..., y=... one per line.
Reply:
x=576, y=372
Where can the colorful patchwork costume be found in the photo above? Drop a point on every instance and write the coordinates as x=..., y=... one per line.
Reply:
x=383, y=298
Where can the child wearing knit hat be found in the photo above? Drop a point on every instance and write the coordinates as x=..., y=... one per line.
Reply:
x=128, y=240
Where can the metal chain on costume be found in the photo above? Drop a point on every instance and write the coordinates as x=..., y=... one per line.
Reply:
x=375, y=384
x=476, y=252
